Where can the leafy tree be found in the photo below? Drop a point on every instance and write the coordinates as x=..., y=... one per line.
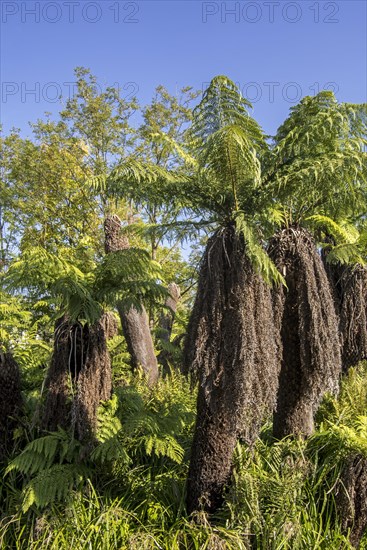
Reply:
x=54, y=169
x=8, y=213
x=101, y=120
x=165, y=120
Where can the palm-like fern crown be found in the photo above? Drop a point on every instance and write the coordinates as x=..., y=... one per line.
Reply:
x=227, y=144
x=318, y=162
x=128, y=275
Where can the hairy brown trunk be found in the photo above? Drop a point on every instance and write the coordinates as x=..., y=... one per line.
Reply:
x=349, y=285
x=351, y=498
x=66, y=363
x=307, y=323
x=135, y=323
x=166, y=323
x=10, y=400
x=230, y=348
x=79, y=376
x=94, y=383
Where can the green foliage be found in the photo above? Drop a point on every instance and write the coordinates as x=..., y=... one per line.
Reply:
x=318, y=162
x=147, y=427
x=180, y=174
x=128, y=275
x=256, y=253
x=342, y=233
x=49, y=462
x=227, y=144
x=281, y=495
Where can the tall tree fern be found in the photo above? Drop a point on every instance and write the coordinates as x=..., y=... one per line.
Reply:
x=228, y=349
x=316, y=172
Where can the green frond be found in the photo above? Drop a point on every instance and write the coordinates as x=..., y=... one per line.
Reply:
x=141, y=181
x=38, y=268
x=231, y=165
x=109, y=434
x=342, y=233
x=162, y=446
x=257, y=255
x=51, y=485
x=348, y=253
x=227, y=144
x=343, y=439
x=172, y=144
x=318, y=161
x=222, y=105
x=41, y=453
x=129, y=276
x=76, y=297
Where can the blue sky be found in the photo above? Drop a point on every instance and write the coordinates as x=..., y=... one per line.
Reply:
x=277, y=51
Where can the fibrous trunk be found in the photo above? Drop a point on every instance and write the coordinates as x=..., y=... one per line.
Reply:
x=349, y=285
x=66, y=363
x=230, y=348
x=79, y=377
x=307, y=323
x=94, y=382
x=351, y=498
x=135, y=324
x=10, y=400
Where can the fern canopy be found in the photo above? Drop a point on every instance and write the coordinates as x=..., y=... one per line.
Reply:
x=128, y=275
x=317, y=164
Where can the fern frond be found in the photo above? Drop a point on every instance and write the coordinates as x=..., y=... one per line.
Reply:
x=257, y=255
x=40, y=453
x=53, y=484
x=342, y=233
x=163, y=446
x=128, y=276
x=348, y=253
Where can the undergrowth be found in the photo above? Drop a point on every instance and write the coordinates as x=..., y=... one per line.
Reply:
x=128, y=492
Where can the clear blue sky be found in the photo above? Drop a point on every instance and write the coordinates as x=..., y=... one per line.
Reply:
x=277, y=51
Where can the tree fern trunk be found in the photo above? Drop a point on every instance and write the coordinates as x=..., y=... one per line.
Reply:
x=307, y=322
x=94, y=382
x=351, y=498
x=10, y=400
x=349, y=285
x=79, y=377
x=230, y=348
x=65, y=365
x=135, y=324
